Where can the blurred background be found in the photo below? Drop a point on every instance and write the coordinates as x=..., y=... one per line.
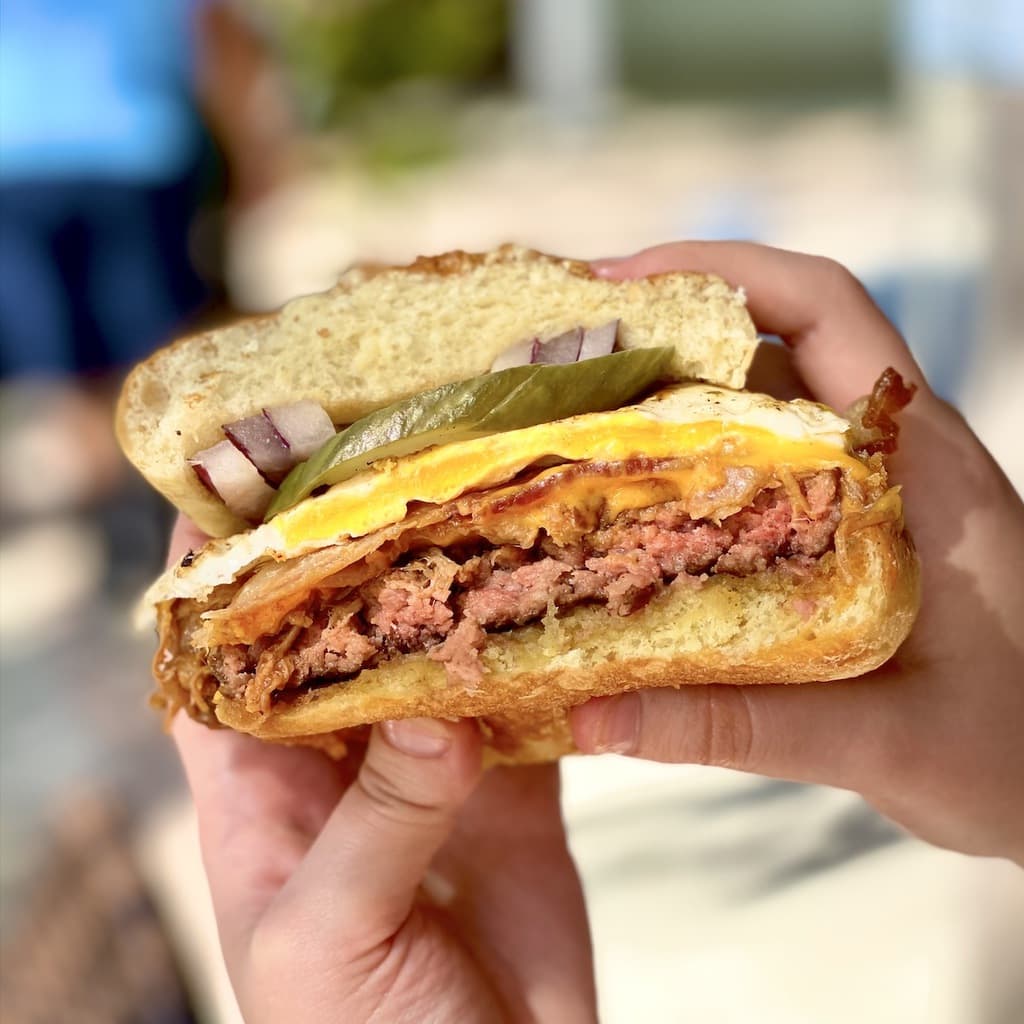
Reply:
x=168, y=165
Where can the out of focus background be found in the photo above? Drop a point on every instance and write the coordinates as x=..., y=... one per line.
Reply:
x=170, y=164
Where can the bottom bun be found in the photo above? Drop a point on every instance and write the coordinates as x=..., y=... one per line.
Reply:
x=842, y=618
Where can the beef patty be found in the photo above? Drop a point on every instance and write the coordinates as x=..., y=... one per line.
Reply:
x=444, y=602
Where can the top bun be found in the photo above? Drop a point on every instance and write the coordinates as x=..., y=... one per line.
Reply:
x=382, y=334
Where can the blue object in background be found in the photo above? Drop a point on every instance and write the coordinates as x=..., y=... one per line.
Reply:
x=937, y=311
x=97, y=89
x=103, y=163
x=977, y=39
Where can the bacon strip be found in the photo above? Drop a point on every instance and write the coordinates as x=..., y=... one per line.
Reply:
x=875, y=431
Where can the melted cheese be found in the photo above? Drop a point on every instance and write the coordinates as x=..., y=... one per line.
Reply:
x=709, y=429
x=382, y=495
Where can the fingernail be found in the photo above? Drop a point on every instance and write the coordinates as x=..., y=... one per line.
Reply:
x=605, y=267
x=615, y=725
x=418, y=737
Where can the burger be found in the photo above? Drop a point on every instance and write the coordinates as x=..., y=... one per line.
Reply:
x=494, y=486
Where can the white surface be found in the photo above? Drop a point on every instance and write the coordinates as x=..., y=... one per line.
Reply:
x=724, y=899
x=718, y=897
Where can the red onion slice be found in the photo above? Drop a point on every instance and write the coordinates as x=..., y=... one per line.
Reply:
x=234, y=479
x=563, y=349
x=261, y=443
x=573, y=346
x=303, y=426
x=599, y=341
x=521, y=354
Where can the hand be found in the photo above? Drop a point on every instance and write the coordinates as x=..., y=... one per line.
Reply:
x=397, y=885
x=935, y=738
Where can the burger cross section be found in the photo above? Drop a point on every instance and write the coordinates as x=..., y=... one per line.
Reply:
x=696, y=534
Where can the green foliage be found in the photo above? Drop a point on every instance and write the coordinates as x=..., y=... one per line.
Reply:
x=348, y=56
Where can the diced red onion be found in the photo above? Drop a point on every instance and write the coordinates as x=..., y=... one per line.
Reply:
x=261, y=443
x=304, y=427
x=523, y=353
x=234, y=479
x=563, y=349
x=599, y=341
x=571, y=347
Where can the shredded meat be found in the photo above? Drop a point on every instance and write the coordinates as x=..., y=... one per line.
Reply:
x=444, y=602
x=460, y=652
x=406, y=608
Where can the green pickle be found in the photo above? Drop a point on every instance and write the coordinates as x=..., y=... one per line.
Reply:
x=521, y=396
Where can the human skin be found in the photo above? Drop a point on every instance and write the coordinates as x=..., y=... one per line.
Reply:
x=934, y=739
x=402, y=886
x=396, y=886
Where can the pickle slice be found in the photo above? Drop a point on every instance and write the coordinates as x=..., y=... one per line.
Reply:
x=521, y=396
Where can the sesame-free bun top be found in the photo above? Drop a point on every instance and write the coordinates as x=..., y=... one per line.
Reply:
x=382, y=334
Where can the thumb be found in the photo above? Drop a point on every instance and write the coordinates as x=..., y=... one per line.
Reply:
x=361, y=874
x=833, y=733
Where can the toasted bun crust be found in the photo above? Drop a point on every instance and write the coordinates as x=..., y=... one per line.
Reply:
x=843, y=619
x=383, y=334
